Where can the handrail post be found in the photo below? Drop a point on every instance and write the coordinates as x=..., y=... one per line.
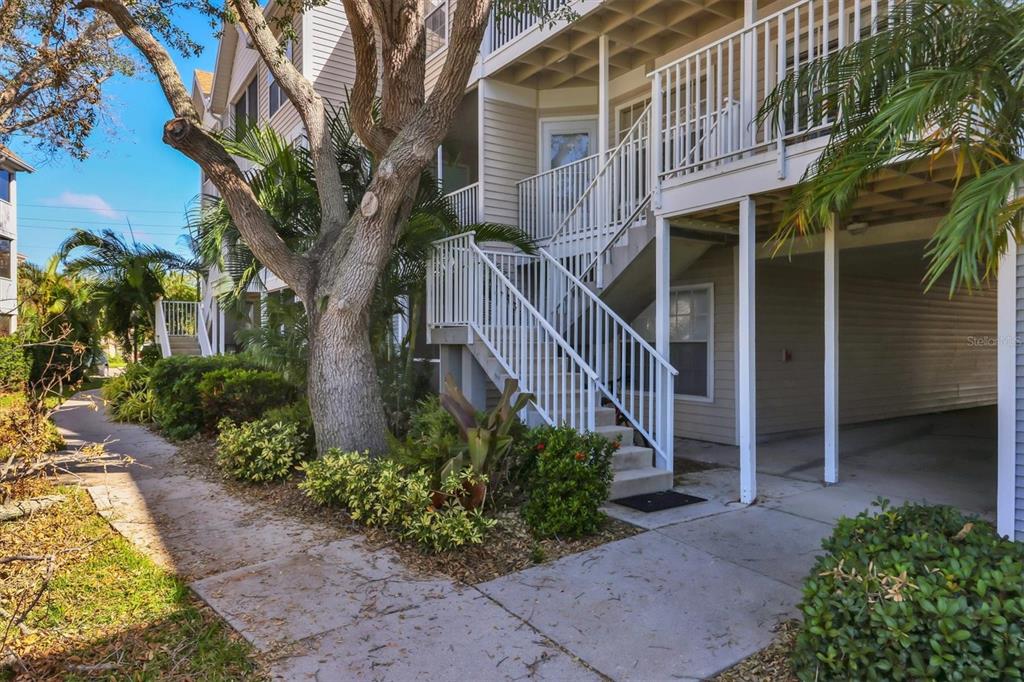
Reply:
x=656, y=141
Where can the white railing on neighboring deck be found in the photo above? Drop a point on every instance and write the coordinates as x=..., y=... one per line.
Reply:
x=465, y=288
x=631, y=374
x=547, y=198
x=212, y=315
x=465, y=202
x=502, y=30
x=181, y=317
x=709, y=99
x=616, y=197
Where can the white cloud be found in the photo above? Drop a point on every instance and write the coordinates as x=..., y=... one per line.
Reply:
x=91, y=202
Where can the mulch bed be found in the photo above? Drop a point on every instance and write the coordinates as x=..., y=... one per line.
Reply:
x=509, y=546
x=770, y=664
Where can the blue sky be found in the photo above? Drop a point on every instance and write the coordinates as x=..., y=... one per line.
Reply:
x=131, y=176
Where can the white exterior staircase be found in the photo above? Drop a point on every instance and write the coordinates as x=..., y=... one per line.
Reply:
x=539, y=319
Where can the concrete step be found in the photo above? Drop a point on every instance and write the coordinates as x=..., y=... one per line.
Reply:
x=640, y=482
x=614, y=433
x=632, y=457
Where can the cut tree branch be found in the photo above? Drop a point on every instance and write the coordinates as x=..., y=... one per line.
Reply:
x=186, y=134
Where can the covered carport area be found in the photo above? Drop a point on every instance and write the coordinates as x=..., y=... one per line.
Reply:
x=862, y=377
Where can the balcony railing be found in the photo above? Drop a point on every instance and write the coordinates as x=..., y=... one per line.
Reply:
x=547, y=198
x=709, y=99
x=465, y=201
x=506, y=28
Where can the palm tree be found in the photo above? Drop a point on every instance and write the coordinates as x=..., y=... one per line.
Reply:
x=129, y=280
x=944, y=79
x=284, y=183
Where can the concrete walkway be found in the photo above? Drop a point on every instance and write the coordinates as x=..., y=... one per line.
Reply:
x=682, y=601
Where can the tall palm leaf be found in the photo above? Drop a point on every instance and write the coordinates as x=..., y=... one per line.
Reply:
x=944, y=80
x=129, y=279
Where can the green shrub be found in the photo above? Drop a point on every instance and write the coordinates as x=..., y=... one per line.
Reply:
x=149, y=355
x=241, y=394
x=296, y=413
x=14, y=364
x=432, y=439
x=258, y=451
x=129, y=396
x=913, y=593
x=175, y=381
x=376, y=492
x=569, y=478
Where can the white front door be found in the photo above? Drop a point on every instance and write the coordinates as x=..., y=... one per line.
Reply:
x=565, y=141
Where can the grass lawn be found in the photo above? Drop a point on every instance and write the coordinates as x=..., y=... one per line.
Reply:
x=108, y=611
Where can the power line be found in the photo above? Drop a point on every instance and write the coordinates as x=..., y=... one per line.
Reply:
x=106, y=208
x=118, y=227
x=109, y=223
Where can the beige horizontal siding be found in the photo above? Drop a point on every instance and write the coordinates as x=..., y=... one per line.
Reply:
x=714, y=421
x=510, y=154
x=901, y=351
x=334, y=69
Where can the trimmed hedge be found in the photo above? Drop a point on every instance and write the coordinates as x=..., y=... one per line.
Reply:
x=241, y=394
x=178, y=410
x=913, y=593
x=297, y=414
x=14, y=364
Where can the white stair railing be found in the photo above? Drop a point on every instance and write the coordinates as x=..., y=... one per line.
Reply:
x=630, y=373
x=465, y=202
x=160, y=329
x=616, y=197
x=181, y=317
x=466, y=289
x=547, y=198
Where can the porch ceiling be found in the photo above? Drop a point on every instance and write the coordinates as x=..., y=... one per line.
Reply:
x=638, y=30
x=919, y=190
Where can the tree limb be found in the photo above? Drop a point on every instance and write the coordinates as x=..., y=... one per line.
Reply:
x=364, y=90
x=186, y=134
x=309, y=104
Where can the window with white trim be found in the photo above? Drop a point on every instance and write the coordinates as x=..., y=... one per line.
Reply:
x=435, y=24
x=627, y=115
x=6, y=258
x=691, y=335
x=5, y=184
x=247, y=112
x=275, y=95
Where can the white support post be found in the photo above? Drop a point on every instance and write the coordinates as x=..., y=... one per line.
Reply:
x=746, y=394
x=602, y=95
x=656, y=141
x=440, y=167
x=1006, y=361
x=662, y=338
x=832, y=354
x=481, y=151
x=474, y=381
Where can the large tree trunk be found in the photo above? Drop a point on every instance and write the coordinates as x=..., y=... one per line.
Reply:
x=344, y=394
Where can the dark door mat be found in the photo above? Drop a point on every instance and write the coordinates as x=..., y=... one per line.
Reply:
x=652, y=502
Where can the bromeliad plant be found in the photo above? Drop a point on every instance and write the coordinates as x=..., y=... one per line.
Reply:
x=486, y=437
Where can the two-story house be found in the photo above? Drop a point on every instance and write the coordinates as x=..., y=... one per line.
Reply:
x=626, y=141
x=658, y=309
x=10, y=166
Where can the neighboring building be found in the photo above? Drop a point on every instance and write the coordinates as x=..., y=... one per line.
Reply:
x=238, y=92
x=10, y=166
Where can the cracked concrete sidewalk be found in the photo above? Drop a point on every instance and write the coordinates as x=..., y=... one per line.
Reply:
x=682, y=601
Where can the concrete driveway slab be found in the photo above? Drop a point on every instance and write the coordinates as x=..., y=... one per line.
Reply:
x=649, y=608
x=770, y=542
